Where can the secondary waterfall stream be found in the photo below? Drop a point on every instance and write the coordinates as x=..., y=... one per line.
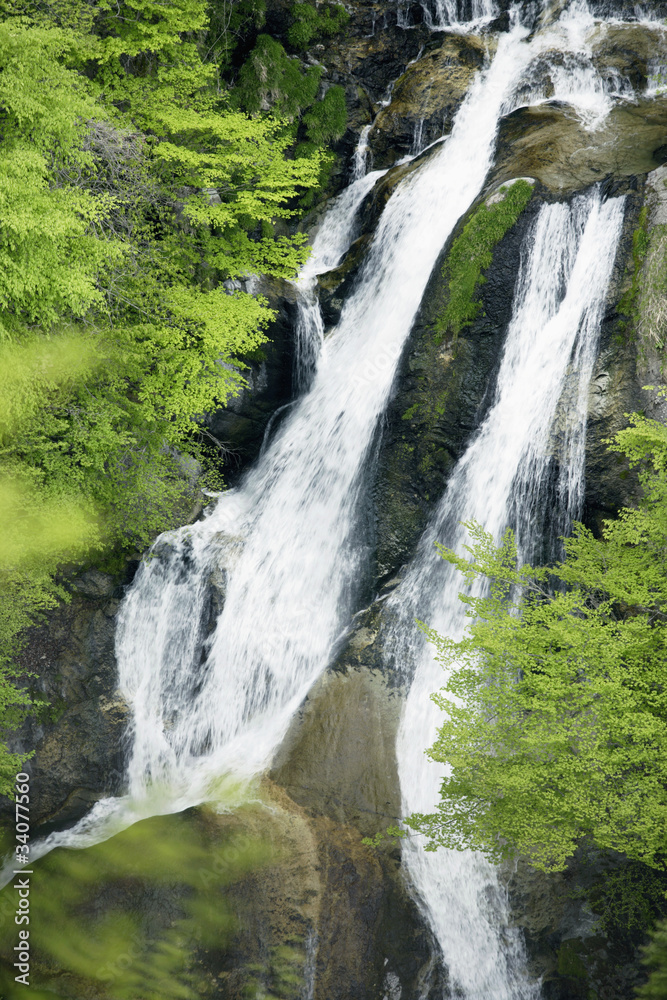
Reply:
x=551, y=341
x=275, y=563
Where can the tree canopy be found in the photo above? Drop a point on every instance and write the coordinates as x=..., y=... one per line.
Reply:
x=555, y=699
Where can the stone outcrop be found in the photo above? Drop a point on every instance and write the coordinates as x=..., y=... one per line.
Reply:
x=549, y=142
x=440, y=397
x=78, y=736
x=425, y=99
x=237, y=429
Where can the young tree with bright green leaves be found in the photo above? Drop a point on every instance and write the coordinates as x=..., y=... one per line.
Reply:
x=109, y=226
x=271, y=80
x=555, y=702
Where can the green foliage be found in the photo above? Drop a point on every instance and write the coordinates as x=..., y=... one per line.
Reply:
x=271, y=80
x=628, y=899
x=556, y=703
x=391, y=835
x=280, y=975
x=310, y=22
x=44, y=525
x=50, y=257
x=327, y=119
x=472, y=252
x=655, y=958
x=127, y=919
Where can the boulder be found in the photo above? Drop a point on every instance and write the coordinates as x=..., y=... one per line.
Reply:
x=425, y=99
x=551, y=143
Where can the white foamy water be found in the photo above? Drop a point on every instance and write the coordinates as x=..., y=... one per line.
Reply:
x=360, y=158
x=461, y=16
x=331, y=242
x=550, y=347
x=564, y=69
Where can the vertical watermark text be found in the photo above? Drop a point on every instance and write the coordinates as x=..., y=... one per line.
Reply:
x=22, y=873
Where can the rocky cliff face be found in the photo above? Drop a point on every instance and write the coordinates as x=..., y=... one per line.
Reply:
x=334, y=780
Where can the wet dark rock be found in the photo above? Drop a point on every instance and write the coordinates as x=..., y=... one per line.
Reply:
x=440, y=397
x=578, y=953
x=629, y=52
x=649, y=328
x=335, y=286
x=238, y=428
x=78, y=736
x=284, y=898
x=615, y=391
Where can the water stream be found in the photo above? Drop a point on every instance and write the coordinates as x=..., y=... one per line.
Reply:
x=329, y=246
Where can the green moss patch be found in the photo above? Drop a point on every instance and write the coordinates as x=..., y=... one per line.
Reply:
x=471, y=254
x=628, y=305
x=310, y=23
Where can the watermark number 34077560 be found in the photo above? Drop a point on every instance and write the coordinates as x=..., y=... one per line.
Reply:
x=22, y=872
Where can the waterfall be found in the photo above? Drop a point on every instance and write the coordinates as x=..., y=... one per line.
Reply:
x=329, y=246
x=459, y=15
x=359, y=164
x=417, y=137
x=549, y=351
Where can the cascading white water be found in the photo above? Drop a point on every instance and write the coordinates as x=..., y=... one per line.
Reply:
x=459, y=15
x=360, y=158
x=417, y=138
x=551, y=341
x=329, y=246
x=568, y=75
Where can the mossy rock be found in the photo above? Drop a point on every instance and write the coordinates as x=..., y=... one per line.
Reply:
x=570, y=964
x=550, y=142
x=441, y=394
x=425, y=99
